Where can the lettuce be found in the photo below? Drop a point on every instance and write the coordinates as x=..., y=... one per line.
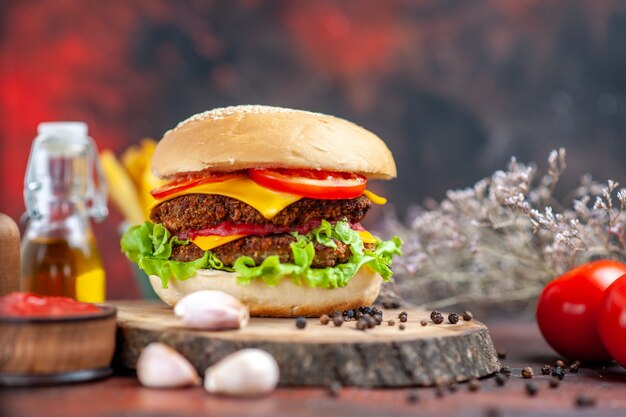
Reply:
x=150, y=246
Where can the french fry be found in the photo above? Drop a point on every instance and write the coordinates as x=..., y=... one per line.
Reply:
x=136, y=160
x=122, y=189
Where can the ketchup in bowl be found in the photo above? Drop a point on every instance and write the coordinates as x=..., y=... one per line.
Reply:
x=24, y=304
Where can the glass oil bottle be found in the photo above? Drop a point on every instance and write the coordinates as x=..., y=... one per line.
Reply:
x=64, y=187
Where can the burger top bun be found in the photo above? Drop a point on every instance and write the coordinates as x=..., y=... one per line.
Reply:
x=242, y=137
x=285, y=300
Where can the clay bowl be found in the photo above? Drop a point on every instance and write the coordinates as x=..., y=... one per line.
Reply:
x=42, y=350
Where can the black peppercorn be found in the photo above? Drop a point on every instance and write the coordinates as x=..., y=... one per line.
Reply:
x=371, y=323
x=554, y=382
x=401, y=327
x=500, y=380
x=453, y=318
x=528, y=372
x=436, y=317
x=424, y=323
x=584, y=401
x=334, y=389
x=338, y=321
x=361, y=324
x=558, y=372
x=358, y=315
x=367, y=310
x=467, y=315
x=391, y=305
x=546, y=370
x=300, y=322
x=350, y=314
x=505, y=370
x=412, y=397
x=391, y=322
x=324, y=319
x=575, y=367
x=531, y=389
x=378, y=319
x=403, y=319
x=473, y=385
x=501, y=354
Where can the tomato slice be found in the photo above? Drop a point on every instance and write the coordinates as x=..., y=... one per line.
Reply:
x=185, y=183
x=318, y=184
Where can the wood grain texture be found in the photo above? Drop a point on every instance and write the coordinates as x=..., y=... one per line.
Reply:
x=9, y=255
x=380, y=357
x=56, y=345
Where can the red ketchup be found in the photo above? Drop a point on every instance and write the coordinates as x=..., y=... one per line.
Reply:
x=25, y=304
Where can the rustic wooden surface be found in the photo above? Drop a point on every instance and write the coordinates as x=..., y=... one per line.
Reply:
x=9, y=255
x=122, y=395
x=383, y=356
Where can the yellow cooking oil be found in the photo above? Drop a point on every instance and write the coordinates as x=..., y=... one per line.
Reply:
x=52, y=266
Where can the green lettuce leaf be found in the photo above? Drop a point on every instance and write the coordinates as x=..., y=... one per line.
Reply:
x=150, y=246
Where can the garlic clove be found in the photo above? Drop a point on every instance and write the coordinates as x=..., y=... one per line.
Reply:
x=160, y=366
x=212, y=310
x=248, y=372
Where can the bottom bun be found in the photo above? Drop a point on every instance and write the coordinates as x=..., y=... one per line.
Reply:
x=285, y=300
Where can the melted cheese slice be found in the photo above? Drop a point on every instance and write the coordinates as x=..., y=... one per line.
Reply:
x=268, y=202
x=210, y=242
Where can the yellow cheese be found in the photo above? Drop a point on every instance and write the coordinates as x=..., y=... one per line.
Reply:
x=366, y=236
x=210, y=242
x=268, y=202
x=376, y=199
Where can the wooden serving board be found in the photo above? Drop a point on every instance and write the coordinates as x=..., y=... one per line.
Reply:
x=384, y=356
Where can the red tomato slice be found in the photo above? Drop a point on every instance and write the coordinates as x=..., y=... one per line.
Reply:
x=323, y=185
x=185, y=183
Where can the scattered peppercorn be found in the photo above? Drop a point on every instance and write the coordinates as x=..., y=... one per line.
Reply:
x=467, y=315
x=554, y=382
x=324, y=319
x=584, y=401
x=361, y=324
x=531, y=389
x=424, y=323
x=338, y=321
x=402, y=313
x=412, y=397
x=391, y=322
x=391, y=305
x=358, y=315
x=401, y=326
x=436, y=317
x=378, y=319
x=575, y=367
x=501, y=354
x=473, y=385
x=559, y=363
x=546, y=370
x=300, y=322
x=453, y=318
x=371, y=323
x=500, y=380
x=367, y=310
x=505, y=370
x=334, y=389
x=403, y=319
x=528, y=372
x=558, y=372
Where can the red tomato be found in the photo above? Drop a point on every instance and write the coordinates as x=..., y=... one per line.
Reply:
x=182, y=184
x=568, y=307
x=612, y=320
x=325, y=185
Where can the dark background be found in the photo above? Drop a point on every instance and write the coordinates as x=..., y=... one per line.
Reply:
x=454, y=87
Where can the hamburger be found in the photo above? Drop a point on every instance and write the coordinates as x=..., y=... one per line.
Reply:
x=266, y=203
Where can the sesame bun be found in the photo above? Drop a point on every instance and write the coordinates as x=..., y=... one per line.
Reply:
x=285, y=300
x=242, y=137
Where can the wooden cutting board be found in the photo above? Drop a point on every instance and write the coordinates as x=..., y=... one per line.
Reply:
x=384, y=356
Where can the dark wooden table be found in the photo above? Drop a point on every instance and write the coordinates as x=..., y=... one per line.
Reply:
x=122, y=396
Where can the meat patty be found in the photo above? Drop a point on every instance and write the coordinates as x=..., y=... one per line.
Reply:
x=199, y=211
x=260, y=247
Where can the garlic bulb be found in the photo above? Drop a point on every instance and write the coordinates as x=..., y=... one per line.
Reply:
x=160, y=366
x=248, y=372
x=212, y=310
